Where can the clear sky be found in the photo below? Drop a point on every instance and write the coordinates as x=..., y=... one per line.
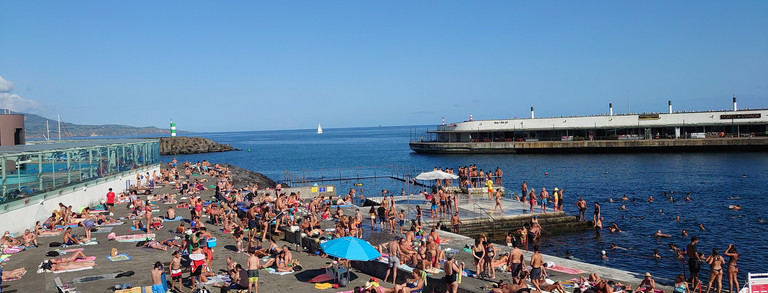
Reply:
x=261, y=65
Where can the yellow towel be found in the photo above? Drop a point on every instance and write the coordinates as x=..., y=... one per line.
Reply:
x=323, y=286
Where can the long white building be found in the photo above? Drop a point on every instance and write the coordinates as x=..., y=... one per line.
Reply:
x=724, y=124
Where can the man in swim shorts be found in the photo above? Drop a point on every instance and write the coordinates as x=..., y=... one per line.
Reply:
x=515, y=260
x=175, y=267
x=393, y=248
x=536, y=263
x=253, y=270
x=693, y=261
x=157, y=281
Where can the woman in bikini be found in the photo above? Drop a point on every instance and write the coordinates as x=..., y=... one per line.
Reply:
x=715, y=261
x=478, y=252
x=733, y=271
x=490, y=254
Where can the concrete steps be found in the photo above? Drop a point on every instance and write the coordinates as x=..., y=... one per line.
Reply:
x=497, y=228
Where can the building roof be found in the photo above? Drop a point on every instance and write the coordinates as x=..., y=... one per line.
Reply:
x=56, y=145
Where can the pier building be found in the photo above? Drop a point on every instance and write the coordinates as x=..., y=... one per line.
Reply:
x=725, y=130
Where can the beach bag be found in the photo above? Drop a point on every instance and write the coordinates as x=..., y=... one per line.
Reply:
x=54, y=244
x=52, y=253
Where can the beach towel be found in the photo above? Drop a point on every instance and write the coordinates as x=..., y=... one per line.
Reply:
x=92, y=242
x=321, y=278
x=119, y=257
x=275, y=272
x=565, y=270
x=135, y=237
x=71, y=225
x=12, y=250
x=103, y=229
x=5, y=257
x=218, y=279
x=177, y=218
x=90, y=258
x=73, y=270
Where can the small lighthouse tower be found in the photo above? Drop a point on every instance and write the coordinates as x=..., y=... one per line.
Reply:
x=173, y=128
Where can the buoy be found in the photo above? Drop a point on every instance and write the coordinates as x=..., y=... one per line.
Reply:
x=546, y=173
x=249, y=150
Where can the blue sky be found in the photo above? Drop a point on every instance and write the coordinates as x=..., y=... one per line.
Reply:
x=247, y=65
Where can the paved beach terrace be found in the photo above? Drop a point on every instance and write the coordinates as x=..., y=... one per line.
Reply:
x=102, y=278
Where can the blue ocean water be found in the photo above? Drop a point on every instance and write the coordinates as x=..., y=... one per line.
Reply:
x=711, y=179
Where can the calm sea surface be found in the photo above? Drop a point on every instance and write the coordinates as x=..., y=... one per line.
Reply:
x=711, y=178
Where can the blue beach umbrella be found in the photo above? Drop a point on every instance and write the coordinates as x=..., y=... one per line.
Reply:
x=350, y=248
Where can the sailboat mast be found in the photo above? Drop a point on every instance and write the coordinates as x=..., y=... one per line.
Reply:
x=47, y=130
x=59, y=119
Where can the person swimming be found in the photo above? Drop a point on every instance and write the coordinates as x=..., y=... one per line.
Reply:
x=734, y=207
x=659, y=234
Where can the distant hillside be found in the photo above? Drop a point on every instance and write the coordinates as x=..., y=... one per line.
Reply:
x=35, y=128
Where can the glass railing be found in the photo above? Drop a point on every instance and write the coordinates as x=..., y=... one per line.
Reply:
x=40, y=168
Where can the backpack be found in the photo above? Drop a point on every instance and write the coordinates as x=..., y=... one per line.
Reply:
x=52, y=253
x=54, y=244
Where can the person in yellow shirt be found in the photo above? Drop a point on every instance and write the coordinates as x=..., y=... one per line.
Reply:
x=489, y=184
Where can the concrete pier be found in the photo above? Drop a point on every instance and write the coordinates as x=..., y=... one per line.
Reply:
x=596, y=146
x=476, y=215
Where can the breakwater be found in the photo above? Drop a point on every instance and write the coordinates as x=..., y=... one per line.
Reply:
x=191, y=145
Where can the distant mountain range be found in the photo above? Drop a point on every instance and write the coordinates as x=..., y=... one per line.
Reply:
x=35, y=128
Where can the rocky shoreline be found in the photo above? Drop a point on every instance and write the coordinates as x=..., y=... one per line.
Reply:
x=244, y=177
x=180, y=145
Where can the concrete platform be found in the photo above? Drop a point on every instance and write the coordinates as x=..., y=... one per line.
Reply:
x=101, y=278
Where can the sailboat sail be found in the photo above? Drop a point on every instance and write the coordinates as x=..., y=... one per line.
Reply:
x=319, y=129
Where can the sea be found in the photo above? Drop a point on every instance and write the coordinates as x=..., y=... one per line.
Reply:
x=714, y=180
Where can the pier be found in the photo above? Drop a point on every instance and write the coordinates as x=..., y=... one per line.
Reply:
x=595, y=146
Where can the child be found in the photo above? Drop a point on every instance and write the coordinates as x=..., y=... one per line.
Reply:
x=175, y=268
x=253, y=271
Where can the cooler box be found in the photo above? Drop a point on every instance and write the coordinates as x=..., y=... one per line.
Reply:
x=212, y=242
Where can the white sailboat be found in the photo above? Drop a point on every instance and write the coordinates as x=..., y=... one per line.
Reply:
x=319, y=129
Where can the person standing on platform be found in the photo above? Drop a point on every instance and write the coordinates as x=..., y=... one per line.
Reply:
x=582, y=206
x=544, y=196
x=523, y=191
x=111, y=202
x=489, y=185
x=693, y=262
